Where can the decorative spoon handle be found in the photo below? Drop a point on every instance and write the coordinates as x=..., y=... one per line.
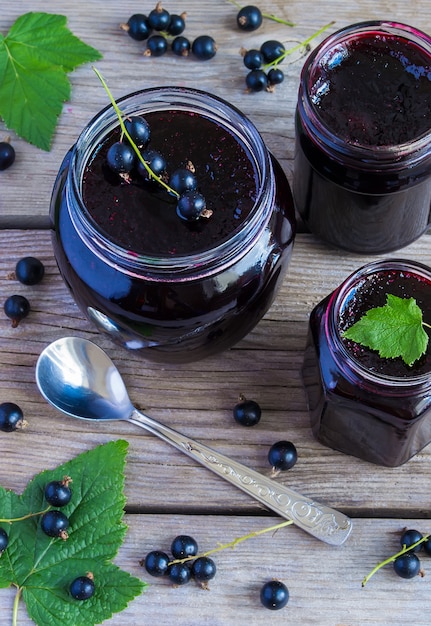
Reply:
x=318, y=520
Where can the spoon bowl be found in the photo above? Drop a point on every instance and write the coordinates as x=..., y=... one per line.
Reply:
x=78, y=378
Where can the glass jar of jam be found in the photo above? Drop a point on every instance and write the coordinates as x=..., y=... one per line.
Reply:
x=175, y=290
x=370, y=407
x=362, y=167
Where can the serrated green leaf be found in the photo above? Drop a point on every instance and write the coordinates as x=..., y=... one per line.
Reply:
x=393, y=330
x=35, y=57
x=42, y=568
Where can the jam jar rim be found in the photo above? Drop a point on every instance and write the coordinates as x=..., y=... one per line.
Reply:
x=391, y=156
x=179, y=267
x=335, y=306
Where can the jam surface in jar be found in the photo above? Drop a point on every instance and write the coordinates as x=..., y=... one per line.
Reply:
x=141, y=216
x=361, y=404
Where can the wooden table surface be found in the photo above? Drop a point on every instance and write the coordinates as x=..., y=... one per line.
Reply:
x=167, y=493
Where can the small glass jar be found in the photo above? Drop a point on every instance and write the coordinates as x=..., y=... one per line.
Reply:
x=362, y=166
x=175, y=307
x=361, y=404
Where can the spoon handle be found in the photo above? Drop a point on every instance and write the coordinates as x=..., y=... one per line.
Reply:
x=318, y=520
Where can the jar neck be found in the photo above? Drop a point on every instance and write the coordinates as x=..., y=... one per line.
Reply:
x=314, y=85
x=191, y=101
x=340, y=303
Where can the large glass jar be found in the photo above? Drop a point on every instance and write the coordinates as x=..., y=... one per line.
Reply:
x=362, y=167
x=361, y=404
x=171, y=305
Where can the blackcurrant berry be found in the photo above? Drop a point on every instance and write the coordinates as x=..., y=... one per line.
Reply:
x=179, y=573
x=275, y=76
x=157, y=45
x=159, y=18
x=29, y=270
x=272, y=50
x=249, y=18
x=155, y=161
x=7, y=155
x=11, y=417
x=156, y=563
x=182, y=179
x=177, y=24
x=16, y=308
x=282, y=455
x=137, y=27
x=274, y=595
x=82, y=588
x=181, y=46
x=203, y=569
x=256, y=80
x=120, y=157
x=427, y=546
x=54, y=524
x=409, y=537
x=191, y=205
x=247, y=413
x=204, y=47
x=253, y=59
x=407, y=565
x=58, y=493
x=138, y=129
x=184, y=546
x=4, y=540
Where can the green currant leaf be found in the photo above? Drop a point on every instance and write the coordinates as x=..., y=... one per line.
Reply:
x=42, y=568
x=35, y=57
x=393, y=330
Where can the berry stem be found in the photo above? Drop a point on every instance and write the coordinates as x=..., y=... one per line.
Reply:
x=234, y=542
x=299, y=46
x=392, y=558
x=20, y=519
x=126, y=134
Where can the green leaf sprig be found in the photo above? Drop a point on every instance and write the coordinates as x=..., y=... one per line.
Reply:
x=394, y=557
x=41, y=568
x=35, y=57
x=393, y=330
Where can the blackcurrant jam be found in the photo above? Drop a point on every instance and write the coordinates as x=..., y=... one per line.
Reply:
x=174, y=290
x=370, y=407
x=362, y=168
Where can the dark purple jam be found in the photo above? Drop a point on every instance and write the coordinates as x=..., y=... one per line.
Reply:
x=141, y=216
x=176, y=291
x=374, y=90
x=376, y=409
x=371, y=292
x=362, y=97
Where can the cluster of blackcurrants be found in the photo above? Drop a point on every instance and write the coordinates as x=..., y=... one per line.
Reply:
x=263, y=64
x=408, y=565
x=29, y=271
x=185, y=564
x=160, y=28
x=54, y=523
x=282, y=455
x=122, y=159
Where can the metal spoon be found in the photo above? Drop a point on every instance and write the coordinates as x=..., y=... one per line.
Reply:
x=78, y=378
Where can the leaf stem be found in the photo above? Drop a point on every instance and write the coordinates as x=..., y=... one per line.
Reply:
x=392, y=558
x=301, y=44
x=15, y=606
x=20, y=519
x=126, y=134
x=234, y=542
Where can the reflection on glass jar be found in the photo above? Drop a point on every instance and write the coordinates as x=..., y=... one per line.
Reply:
x=361, y=404
x=174, y=290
